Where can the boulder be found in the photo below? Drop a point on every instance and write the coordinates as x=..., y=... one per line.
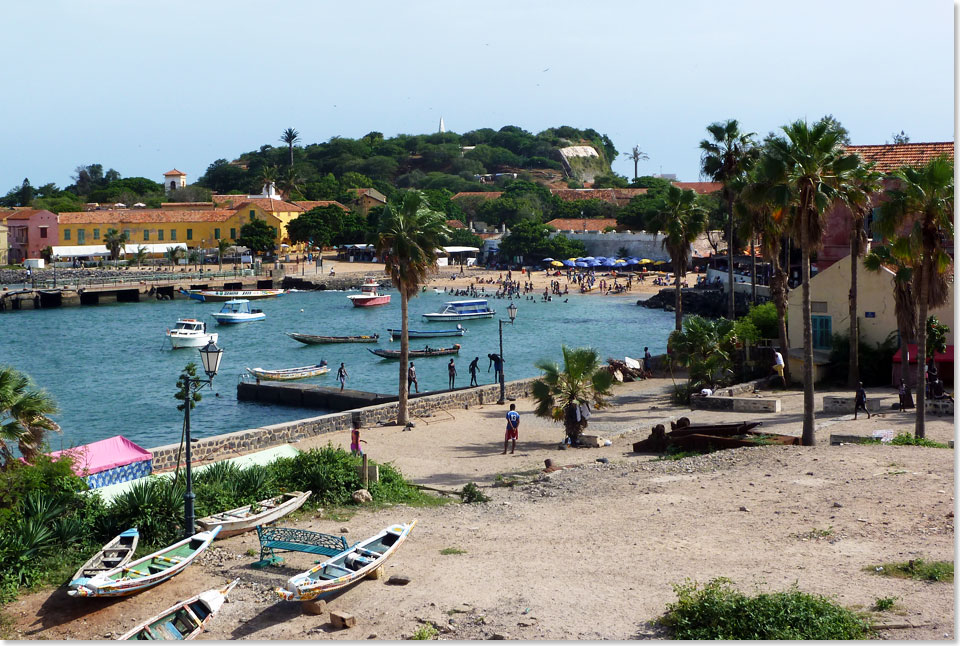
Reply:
x=361, y=496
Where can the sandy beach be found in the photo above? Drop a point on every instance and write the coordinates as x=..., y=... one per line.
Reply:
x=592, y=551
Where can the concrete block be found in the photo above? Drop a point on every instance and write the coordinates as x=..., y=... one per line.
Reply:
x=840, y=438
x=341, y=620
x=938, y=407
x=376, y=574
x=373, y=472
x=756, y=405
x=844, y=404
x=594, y=441
x=314, y=607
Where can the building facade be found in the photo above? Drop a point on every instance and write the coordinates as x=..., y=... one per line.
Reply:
x=29, y=231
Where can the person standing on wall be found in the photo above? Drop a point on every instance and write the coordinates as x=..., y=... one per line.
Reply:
x=342, y=375
x=412, y=378
x=452, y=374
x=474, y=367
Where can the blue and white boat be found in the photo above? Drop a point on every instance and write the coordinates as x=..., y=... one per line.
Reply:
x=462, y=311
x=395, y=333
x=238, y=311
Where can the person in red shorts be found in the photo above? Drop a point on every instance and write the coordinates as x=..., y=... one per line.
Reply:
x=513, y=429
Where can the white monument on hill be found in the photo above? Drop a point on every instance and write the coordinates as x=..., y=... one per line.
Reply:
x=173, y=180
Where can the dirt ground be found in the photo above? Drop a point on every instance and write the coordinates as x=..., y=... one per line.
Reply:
x=592, y=551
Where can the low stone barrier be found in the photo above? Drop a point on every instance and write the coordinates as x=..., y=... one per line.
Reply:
x=737, y=404
x=939, y=407
x=844, y=405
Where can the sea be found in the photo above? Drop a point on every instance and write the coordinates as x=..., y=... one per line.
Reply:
x=111, y=370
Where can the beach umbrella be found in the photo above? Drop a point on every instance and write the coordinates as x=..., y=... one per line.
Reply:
x=557, y=263
x=589, y=258
x=582, y=264
x=645, y=261
x=547, y=260
x=568, y=263
x=609, y=263
x=621, y=261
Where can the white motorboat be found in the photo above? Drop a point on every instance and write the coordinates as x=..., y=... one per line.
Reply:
x=369, y=295
x=190, y=333
x=462, y=311
x=238, y=311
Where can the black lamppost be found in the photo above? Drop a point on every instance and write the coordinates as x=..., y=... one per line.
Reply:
x=210, y=356
x=512, y=311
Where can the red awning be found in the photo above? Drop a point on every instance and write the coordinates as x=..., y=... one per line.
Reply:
x=939, y=357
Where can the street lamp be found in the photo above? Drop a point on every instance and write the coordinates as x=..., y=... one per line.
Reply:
x=512, y=312
x=210, y=356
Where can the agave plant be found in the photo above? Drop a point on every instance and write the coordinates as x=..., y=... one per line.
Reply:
x=704, y=347
x=561, y=394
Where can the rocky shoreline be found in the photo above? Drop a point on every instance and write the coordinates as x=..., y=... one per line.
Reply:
x=711, y=303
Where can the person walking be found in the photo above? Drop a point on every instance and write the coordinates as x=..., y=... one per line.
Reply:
x=513, y=429
x=474, y=367
x=342, y=375
x=412, y=378
x=778, y=366
x=647, y=363
x=902, y=392
x=860, y=401
x=355, y=441
x=452, y=374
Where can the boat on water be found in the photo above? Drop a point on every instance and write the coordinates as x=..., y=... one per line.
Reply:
x=476, y=308
x=146, y=572
x=243, y=519
x=426, y=352
x=314, y=339
x=209, y=295
x=190, y=333
x=238, y=311
x=369, y=295
x=353, y=564
x=289, y=374
x=116, y=553
x=183, y=620
x=426, y=334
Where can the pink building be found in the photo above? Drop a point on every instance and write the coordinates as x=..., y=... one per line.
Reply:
x=29, y=231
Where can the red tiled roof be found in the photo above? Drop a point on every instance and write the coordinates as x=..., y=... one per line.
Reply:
x=306, y=205
x=26, y=214
x=890, y=157
x=174, y=172
x=179, y=206
x=582, y=224
x=145, y=216
x=701, y=188
x=267, y=204
x=488, y=195
x=456, y=224
x=369, y=192
x=617, y=196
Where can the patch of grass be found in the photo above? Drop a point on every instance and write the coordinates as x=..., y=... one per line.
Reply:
x=895, y=473
x=425, y=631
x=916, y=569
x=905, y=439
x=717, y=610
x=884, y=603
x=815, y=534
x=447, y=551
x=251, y=552
x=338, y=514
x=673, y=452
x=471, y=494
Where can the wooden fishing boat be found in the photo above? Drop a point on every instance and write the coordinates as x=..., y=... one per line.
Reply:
x=184, y=620
x=145, y=572
x=243, y=519
x=395, y=333
x=426, y=352
x=312, y=339
x=116, y=553
x=288, y=374
x=346, y=567
x=212, y=296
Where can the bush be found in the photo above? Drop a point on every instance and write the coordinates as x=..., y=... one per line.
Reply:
x=718, y=611
x=764, y=318
x=471, y=494
x=905, y=439
x=154, y=507
x=916, y=569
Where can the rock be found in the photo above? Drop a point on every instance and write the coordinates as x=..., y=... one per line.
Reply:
x=500, y=636
x=314, y=607
x=372, y=636
x=809, y=473
x=344, y=530
x=836, y=504
x=341, y=620
x=361, y=496
x=398, y=579
x=744, y=509
x=603, y=460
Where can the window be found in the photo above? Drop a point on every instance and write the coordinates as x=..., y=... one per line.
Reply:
x=173, y=234
x=233, y=233
x=96, y=234
x=160, y=234
x=146, y=234
x=216, y=234
x=253, y=215
x=81, y=236
x=126, y=232
x=818, y=306
x=43, y=232
x=66, y=234
x=822, y=332
x=189, y=234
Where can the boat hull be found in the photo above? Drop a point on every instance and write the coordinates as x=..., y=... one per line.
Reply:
x=289, y=374
x=369, y=301
x=313, y=339
x=282, y=505
x=425, y=334
x=436, y=316
x=114, y=554
x=163, y=627
x=220, y=296
x=228, y=319
x=182, y=341
x=433, y=352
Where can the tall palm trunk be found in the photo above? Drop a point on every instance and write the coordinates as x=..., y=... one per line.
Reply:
x=753, y=270
x=731, y=308
x=808, y=437
x=926, y=272
x=404, y=359
x=778, y=291
x=678, y=306
x=853, y=373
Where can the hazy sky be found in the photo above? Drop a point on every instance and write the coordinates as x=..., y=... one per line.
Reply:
x=145, y=87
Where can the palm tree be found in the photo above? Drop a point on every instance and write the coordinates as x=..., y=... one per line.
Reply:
x=114, y=241
x=904, y=304
x=290, y=137
x=725, y=158
x=862, y=183
x=222, y=245
x=923, y=201
x=174, y=254
x=681, y=221
x=269, y=174
x=407, y=242
x=290, y=181
x=140, y=255
x=636, y=155
x=24, y=415
x=560, y=393
x=704, y=346
x=805, y=169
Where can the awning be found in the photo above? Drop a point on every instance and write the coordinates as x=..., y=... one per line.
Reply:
x=76, y=251
x=461, y=249
x=116, y=451
x=944, y=357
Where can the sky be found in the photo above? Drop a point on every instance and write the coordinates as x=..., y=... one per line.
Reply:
x=146, y=87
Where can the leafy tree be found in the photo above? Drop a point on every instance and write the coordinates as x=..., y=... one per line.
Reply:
x=465, y=238
x=290, y=137
x=407, y=242
x=637, y=156
x=24, y=415
x=560, y=393
x=223, y=177
x=114, y=242
x=902, y=138
x=936, y=337
x=174, y=254
x=610, y=180
x=189, y=193
x=637, y=214
x=290, y=182
x=258, y=236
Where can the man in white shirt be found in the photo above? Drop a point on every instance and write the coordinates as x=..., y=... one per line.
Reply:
x=778, y=366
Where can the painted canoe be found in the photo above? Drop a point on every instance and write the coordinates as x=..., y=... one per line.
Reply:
x=288, y=374
x=313, y=339
x=145, y=572
x=212, y=296
x=243, y=519
x=426, y=352
x=347, y=567
x=184, y=620
x=116, y=553
x=395, y=333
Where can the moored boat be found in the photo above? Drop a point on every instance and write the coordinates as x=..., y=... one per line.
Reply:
x=369, y=295
x=210, y=295
x=313, y=339
x=238, y=311
x=190, y=333
x=146, y=572
x=426, y=352
x=395, y=333
x=116, y=553
x=184, y=620
x=289, y=374
x=243, y=519
x=351, y=565
x=476, y=308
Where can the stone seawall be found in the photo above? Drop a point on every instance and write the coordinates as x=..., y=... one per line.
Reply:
x=228, y=445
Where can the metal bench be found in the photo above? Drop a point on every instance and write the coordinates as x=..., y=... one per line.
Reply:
x=287, y=539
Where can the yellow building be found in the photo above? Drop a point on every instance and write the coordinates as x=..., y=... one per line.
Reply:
x=275, y=211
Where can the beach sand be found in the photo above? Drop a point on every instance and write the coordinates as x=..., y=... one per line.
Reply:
x=592, y=551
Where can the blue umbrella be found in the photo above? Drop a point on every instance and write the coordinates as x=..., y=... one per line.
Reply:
x=568, y=263
x=609, y=263
x=547, y=260
x=589, y=258
x=581, y=264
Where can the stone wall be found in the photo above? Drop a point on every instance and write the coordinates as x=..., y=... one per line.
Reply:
x=219, y=447
x=738, y=404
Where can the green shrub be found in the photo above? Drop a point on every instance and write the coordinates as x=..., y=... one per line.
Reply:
x=905, y=439
x=764, y=318
x=471, y=494
x=916, y=569
x=154, y=507
x=718, y=611
x=425, y=631
x=884, y=603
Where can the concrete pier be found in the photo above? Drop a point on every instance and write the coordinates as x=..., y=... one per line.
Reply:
x=319, y=397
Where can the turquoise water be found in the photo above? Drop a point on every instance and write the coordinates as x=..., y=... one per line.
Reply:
x=105, y=366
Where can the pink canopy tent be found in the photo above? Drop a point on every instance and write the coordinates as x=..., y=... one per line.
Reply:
x=115, y=459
